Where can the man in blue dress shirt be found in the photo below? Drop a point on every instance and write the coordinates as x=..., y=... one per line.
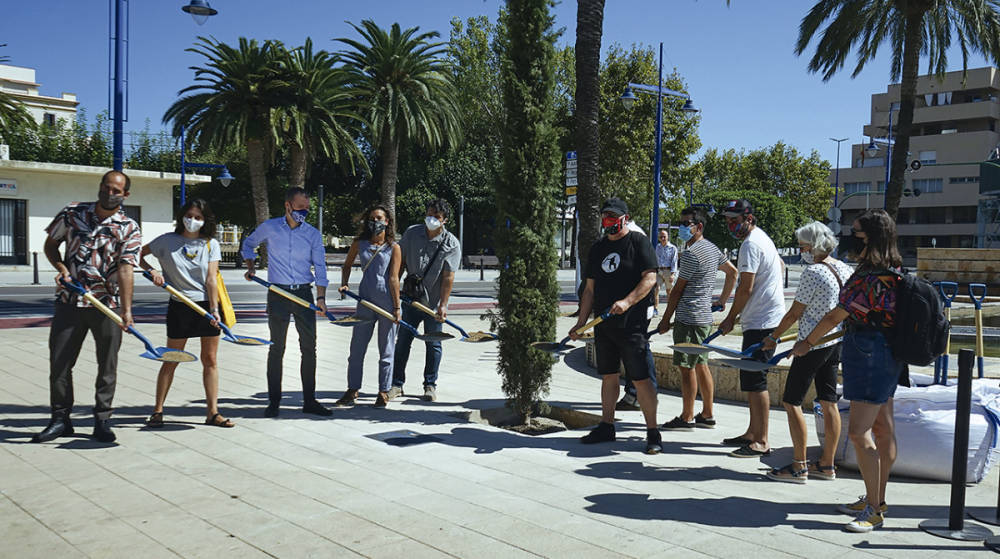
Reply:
x=295, y=253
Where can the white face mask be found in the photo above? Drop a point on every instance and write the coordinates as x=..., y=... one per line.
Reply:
x=432, y=223
x=193, y=225
x=808, y=258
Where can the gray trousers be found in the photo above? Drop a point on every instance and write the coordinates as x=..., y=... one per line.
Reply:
x=70, y=325
x=279, y=313
x=359, y=345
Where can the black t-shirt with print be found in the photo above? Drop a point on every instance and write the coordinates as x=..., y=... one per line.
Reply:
x=616, y=268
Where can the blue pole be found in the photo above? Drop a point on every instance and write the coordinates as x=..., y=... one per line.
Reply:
x=836, y=186
x=888, y=160
x=182, y=166
x=655, y=223
x=119, y=102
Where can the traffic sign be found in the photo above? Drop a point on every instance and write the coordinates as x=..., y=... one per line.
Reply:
x=571, y=200
x=570, y=155
x=834, y=226
x=571, y=191
x=571, y=172
x=833, y=214
x=570, y=164
x=570, y=181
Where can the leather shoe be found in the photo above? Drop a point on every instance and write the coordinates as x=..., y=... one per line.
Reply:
x=315, y=408
x=102, y=430
x=271, y=410
x=59, y=426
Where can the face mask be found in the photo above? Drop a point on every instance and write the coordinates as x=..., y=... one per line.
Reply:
x=109, y=202
x=376, y=226
x=808, y=258
x=300, y=215
x=612, y=225
x=685, y=233
x=739, y=231
x=854, y=245
x=432, y=223
x=192, y=224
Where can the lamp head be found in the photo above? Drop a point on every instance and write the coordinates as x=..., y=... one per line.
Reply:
x=628, y=98
x=224, y=177
x=689, y=107
x=200, y=11
x=872, y=149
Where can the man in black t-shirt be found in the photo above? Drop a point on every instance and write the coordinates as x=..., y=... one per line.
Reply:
x=620, y=276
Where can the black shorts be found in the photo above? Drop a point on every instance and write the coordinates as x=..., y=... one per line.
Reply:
x=627, y=347
x=183, y=322
x=755, y=381
x=820, y=365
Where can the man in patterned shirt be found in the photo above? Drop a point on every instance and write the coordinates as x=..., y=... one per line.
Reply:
x=102, y=247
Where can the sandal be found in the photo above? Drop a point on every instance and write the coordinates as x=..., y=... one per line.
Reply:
x=789, y=473
x=218, y=421
x=820, y=471
x=155, y=420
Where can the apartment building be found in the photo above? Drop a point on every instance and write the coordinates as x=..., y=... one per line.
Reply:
x=20, y=83
x=955, y=128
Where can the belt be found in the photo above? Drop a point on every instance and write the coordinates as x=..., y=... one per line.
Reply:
x=292, y=286
x=852, y=328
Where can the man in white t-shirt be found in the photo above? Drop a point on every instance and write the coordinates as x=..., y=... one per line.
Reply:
x=760, y=304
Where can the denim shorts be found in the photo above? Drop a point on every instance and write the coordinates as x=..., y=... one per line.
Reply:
x=870, y=372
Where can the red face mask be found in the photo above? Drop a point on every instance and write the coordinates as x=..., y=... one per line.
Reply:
x=612, y=225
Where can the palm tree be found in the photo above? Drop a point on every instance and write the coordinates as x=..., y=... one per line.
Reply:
x=589, y=28
x=12, y=112
x=318, y=116
x=910, y=28
x=404, y=85
x=232, y=102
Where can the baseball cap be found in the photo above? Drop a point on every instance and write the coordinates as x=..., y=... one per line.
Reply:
x=616, y=205
x=737, y=207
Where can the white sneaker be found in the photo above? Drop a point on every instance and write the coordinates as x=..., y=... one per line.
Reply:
x=866, y=521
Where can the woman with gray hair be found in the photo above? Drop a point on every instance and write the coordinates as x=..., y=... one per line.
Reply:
x=818, y=292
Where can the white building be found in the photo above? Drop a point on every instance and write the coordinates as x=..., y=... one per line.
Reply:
x=31, y=194
x=20, y=83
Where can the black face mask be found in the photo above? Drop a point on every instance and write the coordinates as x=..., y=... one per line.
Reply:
x=853, y=245
x=109, y=202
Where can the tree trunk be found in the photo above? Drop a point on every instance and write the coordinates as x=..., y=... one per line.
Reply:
x=258, y=187
x=389, y=161
x=589, y=28
x=912, y=43
x=297, y=173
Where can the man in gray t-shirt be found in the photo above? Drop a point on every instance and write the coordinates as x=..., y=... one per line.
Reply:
x=431, y=252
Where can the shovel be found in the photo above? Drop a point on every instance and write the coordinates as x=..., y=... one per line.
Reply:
x=756, y=365
x=466, y=337
x=978, y=302
x=165, y=354
x=563, y=345
x=227, y=334
x=696, y=349
x=346, y=321
x=427, y=337
x=948, y=290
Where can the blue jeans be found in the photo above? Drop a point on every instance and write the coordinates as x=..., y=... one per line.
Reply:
x=869, y=370
x=432, y=361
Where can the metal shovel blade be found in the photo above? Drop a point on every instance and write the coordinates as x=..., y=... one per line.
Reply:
x=746, y=364
x=352, y=320
x=552, y=347
x=691, y=349
x=434, y=336
x=245, y=340
x=169, y=355
x=478, y=337
x=728, y=352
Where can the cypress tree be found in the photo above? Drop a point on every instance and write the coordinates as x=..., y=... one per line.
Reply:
x=526, y=204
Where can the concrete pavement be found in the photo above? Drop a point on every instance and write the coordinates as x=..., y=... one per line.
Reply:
x=299, y=486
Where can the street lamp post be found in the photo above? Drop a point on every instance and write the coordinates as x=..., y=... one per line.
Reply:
x=873, y=150
x=199, y=10
x=224, y=177
x=628, y=99
x=836, y=186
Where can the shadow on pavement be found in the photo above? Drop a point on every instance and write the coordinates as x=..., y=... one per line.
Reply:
x=639, y=471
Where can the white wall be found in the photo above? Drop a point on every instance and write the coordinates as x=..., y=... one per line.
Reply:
x=48, y=187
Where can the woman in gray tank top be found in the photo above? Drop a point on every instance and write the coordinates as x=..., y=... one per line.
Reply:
x=380, y=260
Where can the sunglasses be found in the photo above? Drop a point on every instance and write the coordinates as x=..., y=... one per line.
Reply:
x=687, y=223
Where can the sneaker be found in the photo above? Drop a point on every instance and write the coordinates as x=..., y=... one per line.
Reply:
x=627, y=403
x=816, y=471
x=857, y=506
x=430, y=394
x=653, y=441
x=382, y=400
x=603, y=433
x=395, y=392
x=747, y=451
x=866, y=521
x=678, y=424
x=348, y=399
x=702, y=422
x=789, y=474
x=737, y=441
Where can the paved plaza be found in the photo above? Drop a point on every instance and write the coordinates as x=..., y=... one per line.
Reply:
x=301, y=486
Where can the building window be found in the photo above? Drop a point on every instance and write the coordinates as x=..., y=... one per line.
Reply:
x=928, y=157
x=880, y=186
x=135, y=212
x=963, y=214
x=963, y=180
x=49, y=119
x=927, y=186
x=856, y=187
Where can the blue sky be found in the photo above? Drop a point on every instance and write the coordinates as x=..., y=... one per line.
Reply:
x=738, y=61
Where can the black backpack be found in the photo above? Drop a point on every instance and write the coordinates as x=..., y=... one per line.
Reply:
x=921, y=331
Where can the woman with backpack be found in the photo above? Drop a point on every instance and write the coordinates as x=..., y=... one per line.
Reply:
x=870, y=372
x=380, y=260
x=818, y=293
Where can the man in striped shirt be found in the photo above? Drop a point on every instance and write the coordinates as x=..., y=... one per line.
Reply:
x=691, y=299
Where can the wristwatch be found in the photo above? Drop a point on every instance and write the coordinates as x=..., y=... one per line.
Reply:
x=321, y=297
